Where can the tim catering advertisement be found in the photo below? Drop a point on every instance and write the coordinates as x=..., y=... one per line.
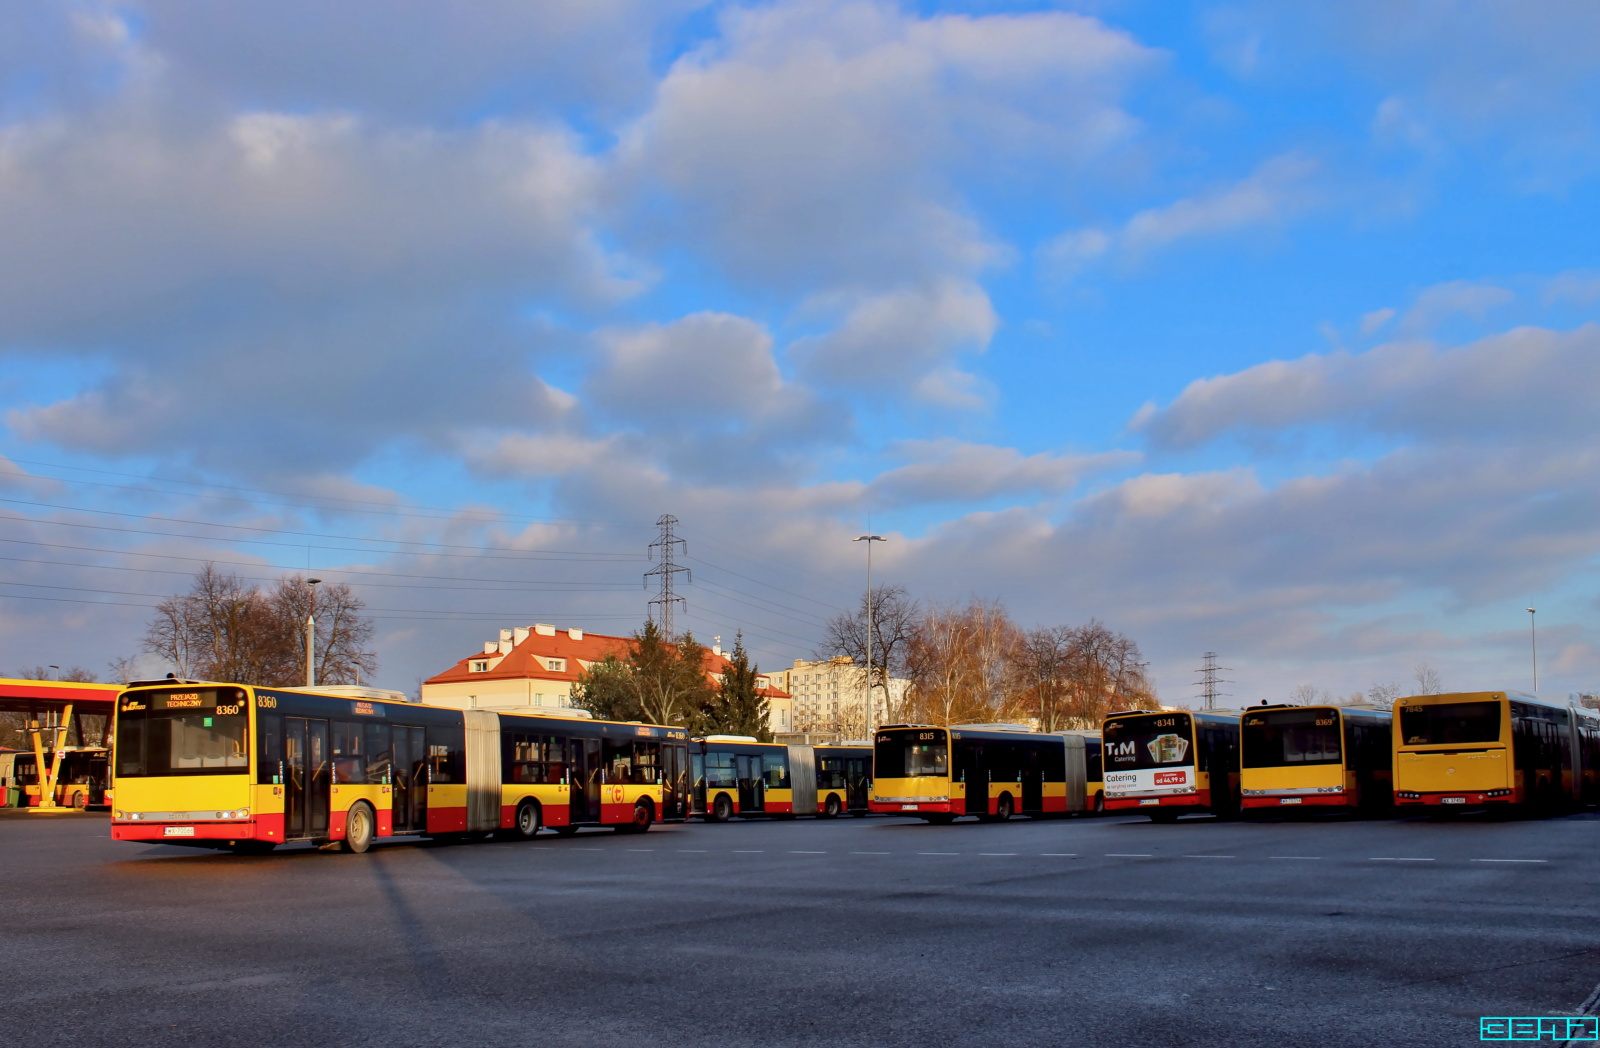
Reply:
x=1148, y=762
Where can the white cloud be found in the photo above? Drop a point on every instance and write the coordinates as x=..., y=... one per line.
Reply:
x=948, y=470
x=1277, y=191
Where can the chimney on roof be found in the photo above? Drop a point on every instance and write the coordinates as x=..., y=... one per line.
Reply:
x=504, y=647
x=544, y=629
x=575, y=634
x=716, y=645
x=490, y=647
x=519, y=635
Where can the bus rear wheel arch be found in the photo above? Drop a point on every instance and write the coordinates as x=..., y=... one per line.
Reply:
x=360, y=826
x=721, y=808
x=831, y=808
x=1003, y=808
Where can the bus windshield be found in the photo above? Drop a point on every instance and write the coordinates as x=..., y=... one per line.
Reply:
x=1153, y=741
x=1290, y=737
x=907, y=755
x=194, y=732
x=1450, y=722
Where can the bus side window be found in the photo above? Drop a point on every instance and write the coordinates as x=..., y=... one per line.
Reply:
x=269, y=747
x=349, y=755
x=375, y=744
x=777, y=772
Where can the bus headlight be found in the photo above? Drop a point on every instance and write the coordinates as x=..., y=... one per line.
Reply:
x=120, y=815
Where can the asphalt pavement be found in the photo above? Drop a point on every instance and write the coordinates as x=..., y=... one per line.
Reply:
x=874, y=932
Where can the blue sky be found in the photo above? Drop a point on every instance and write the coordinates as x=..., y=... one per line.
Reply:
x=1258, y=328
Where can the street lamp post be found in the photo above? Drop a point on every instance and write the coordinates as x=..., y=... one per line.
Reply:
x=867, y=709
x=311, y=632
x=1533, y=645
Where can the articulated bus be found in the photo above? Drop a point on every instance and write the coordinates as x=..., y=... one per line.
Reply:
x=989, y=770
x=1495, y=748
x=81, y=779
x=1324, y=756
x=736, y=775
x=1172, y=762
x=231, y=766
x=1094, y=786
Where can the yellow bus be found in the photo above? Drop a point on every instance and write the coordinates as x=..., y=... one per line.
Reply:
x=844, y=780
x=1321, y=756
x=81, y=777
x=735, y=775
x=1169, y=763
x=233, y=766
x=1493, y=748
x=992, y=771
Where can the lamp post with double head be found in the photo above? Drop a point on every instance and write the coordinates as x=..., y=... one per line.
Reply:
x=867, y=708
x=311, y=632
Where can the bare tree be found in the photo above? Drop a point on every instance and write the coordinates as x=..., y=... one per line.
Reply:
x=75, y=674
x=1106, y=671
x=1303, y=695
x=960, y=661
x=225, y=630
x=894, y=620
x=1042, y=668
x=1383, y=694
x=1427, y=678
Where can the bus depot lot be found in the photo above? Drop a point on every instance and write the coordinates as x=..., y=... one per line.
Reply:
x=880, y=931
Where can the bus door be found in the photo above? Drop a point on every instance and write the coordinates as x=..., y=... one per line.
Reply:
x=583, y=771
x=752, y=787
x=674, y=802
x=858, y=783
x=969, y=761
x=305, y=794
x=1032, y=780
x=408, y=780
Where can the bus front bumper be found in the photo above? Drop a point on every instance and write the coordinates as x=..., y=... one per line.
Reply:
x=917, y=806
x=1194, y=800
x=1328, y=799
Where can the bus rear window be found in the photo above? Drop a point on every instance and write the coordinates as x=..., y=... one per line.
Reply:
x=910, y=755
x=1450, y=722
x=1148, y=742
x=1290, y=738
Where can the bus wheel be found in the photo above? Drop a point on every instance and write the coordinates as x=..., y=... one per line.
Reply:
x=359, y=829
x=1002, y=808
x=643, y=816
x=831, y=809
x=1099, y=804
x=80, y=800
x=528, y=820
x=721, y=809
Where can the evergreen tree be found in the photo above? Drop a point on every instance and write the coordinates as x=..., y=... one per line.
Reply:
x=669, y=680
x=739, y=707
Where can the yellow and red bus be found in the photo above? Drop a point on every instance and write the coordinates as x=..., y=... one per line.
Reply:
x=81, y=777
x=1492, y=748
x=1317, y=756
x=1168, y=763
x=844, y=780
x=228, y=765
x=991, y=771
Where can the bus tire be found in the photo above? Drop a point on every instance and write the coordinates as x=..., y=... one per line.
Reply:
x=80, y=800
x=721, y=808
x=830, y=809
x=1003, y=808
x=1099, y=804
x=644, y=814
x=528, y=820
x=360, y=827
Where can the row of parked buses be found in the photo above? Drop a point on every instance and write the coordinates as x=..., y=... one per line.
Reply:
x=1479, y=750
x=249, y=768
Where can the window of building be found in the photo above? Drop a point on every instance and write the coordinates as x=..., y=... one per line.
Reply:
x=481, y=667
x=558, y=665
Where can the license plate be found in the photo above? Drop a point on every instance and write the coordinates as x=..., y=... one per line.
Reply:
x=1288, y=800
x=178, y=831
x=1452, y=800
x=908, y=807
x=1150, y=800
